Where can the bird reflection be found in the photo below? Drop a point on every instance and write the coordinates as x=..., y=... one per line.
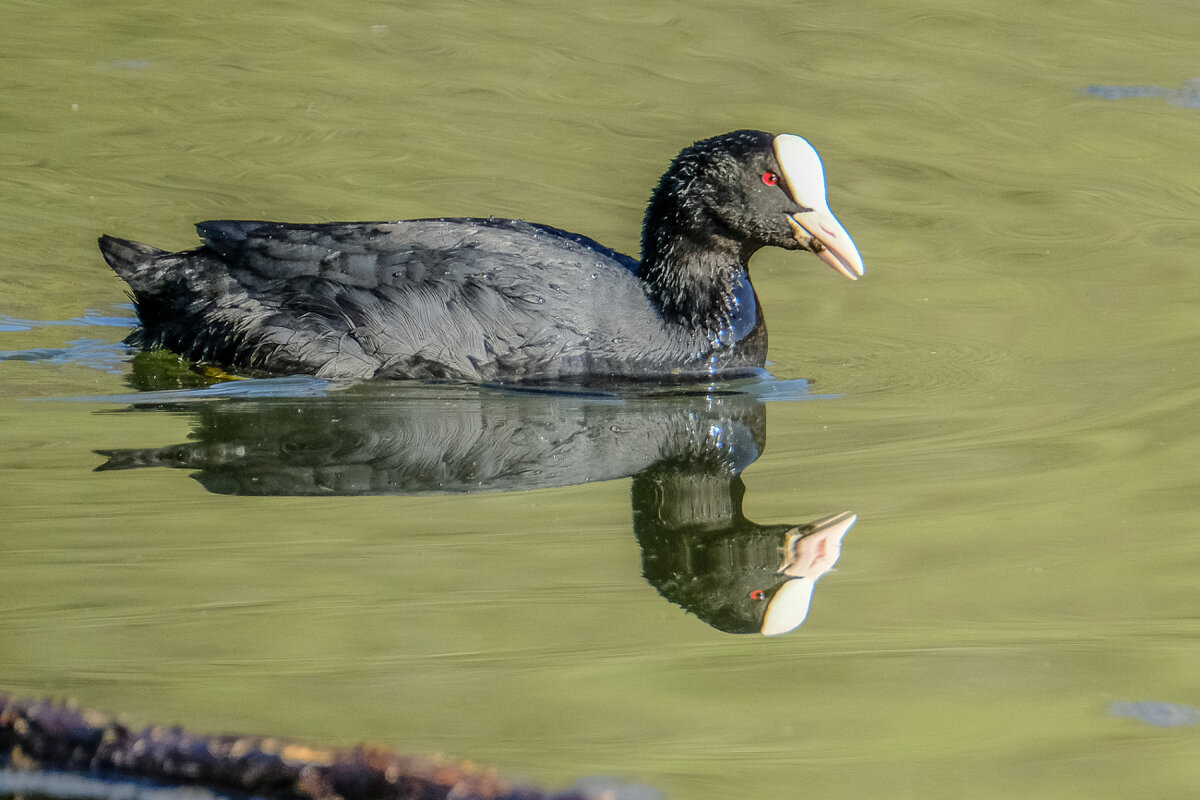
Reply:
x=685, y=452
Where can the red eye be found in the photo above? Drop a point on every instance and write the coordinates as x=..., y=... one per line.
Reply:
x=759, y=594
x=770, y=178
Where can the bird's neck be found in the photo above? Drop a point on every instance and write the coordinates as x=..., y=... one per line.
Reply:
x=697, y=281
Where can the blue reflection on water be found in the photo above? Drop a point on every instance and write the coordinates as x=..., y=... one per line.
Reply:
x=1187, y=96
x=85, y=352
x=9, y=324
x=94, y=353
x=1160, y=715
x=290, y=386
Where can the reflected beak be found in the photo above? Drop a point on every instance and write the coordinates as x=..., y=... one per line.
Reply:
x=809, y=553
x=788, y=608
x=819, y=231
x=816, y=229
x=812, y=550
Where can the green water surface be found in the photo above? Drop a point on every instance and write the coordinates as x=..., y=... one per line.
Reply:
x=1010, y=397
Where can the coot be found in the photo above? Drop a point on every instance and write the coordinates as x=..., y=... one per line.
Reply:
x=497, y=299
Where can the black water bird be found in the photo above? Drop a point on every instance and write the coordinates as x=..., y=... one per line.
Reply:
x=496, y=299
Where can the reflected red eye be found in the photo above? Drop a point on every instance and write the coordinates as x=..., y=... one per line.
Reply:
x=770, y=178
x=759, y=594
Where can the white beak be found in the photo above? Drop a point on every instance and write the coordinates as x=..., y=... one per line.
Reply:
x=817, y=228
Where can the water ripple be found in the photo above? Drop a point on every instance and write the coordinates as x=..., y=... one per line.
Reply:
x=906, y=362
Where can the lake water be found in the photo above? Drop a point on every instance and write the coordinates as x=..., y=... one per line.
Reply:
x=1009, y=401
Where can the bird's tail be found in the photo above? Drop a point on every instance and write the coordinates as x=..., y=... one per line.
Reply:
x=128, y=259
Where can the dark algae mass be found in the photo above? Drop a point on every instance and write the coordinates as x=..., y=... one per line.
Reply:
x=48, y=735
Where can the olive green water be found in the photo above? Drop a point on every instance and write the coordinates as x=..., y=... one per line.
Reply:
x=1015, y=413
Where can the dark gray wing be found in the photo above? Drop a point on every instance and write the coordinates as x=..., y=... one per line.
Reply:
x=438, y=298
